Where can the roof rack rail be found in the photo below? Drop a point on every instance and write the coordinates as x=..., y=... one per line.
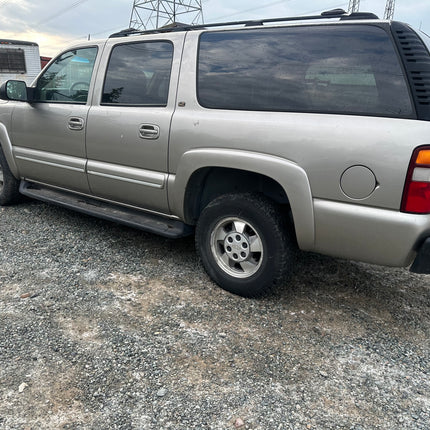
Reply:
x=334, y=13
x=360, y=15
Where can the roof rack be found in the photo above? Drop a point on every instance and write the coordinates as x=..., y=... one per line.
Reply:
x=334, y=13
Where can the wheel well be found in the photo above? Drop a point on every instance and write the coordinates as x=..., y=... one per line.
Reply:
x=208, y=183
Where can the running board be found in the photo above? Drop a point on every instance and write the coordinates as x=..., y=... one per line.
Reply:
x=157, y=224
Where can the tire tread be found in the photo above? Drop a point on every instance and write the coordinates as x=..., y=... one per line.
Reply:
x=281, y=230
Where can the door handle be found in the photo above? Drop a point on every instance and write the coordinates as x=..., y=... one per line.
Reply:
x=149, y=131
x=76, y=123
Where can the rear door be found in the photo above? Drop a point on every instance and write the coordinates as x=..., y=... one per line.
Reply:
x=128, y=128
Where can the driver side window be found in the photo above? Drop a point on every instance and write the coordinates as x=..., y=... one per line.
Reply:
x=67, y=79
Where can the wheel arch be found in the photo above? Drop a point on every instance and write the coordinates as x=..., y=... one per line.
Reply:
x=6, y=147
x=204, y=174
x=208, y=183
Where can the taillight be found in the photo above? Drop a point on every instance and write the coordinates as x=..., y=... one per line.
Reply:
x=416, y=194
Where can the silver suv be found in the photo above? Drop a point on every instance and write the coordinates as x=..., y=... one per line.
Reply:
x=262, y=137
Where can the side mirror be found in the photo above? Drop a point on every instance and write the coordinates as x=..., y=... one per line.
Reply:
x=14, y=90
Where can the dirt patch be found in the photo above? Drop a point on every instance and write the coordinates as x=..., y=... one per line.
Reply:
x=106, y=327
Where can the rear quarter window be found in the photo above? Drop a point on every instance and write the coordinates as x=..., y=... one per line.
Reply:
x=350, y=69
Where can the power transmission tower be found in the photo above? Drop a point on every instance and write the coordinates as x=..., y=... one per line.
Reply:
x=354, y=5
x=389, y=9
x=151, y=14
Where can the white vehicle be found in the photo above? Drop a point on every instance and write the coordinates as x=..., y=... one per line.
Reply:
x=19, y=60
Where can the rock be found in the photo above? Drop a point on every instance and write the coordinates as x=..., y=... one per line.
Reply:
x=22, y=387
x=161, y=392
x=239, y=423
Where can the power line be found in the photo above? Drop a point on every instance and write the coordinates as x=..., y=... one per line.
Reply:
x=60, y=12
x=278, y=2
x=251, y=10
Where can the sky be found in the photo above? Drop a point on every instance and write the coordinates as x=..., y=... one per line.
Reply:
x=55, y=24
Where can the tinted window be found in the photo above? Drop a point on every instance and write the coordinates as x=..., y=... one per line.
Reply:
x=67, y=79
x=139, y=74
x=339, y=69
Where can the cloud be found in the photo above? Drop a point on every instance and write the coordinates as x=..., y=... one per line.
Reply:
x=54, y=25
x=49, y=45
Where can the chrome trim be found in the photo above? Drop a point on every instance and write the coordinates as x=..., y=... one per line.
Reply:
x=121, y=178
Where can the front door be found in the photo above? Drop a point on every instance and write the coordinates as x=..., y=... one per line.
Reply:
x=128, y=130
x=48, y=134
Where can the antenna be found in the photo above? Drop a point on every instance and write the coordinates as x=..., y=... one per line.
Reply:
x=389, y=10
x=153, y=14
x=354, y=5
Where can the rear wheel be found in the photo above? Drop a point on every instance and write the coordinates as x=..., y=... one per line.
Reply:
x=9, y=185
x=245, y=243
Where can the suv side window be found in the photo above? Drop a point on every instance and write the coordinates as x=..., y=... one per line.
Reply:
x=138, y=74
x=346, y=69
x=67, y=79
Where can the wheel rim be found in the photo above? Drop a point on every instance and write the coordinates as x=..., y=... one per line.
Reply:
x=237, y=247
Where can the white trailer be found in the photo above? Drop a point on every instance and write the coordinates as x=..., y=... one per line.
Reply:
x=19, y=60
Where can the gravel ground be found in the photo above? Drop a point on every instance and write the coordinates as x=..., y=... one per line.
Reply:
x=105, y=327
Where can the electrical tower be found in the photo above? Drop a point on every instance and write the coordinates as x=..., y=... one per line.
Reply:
x=389, y=9
x=151, y=14
x=354, y=5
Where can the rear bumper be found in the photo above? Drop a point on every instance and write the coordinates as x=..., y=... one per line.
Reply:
x=372, y=235
x=421, y=263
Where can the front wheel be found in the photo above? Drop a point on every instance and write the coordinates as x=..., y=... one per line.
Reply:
x=9, y=185
x=245, y=243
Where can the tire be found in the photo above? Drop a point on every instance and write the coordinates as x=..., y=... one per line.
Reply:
x=9, y=185
x=247, y=247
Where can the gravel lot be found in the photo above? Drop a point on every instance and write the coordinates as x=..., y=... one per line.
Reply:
x=105, y=327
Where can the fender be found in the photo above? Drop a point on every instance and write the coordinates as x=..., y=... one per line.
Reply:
x=6, y=146
x=288, y=174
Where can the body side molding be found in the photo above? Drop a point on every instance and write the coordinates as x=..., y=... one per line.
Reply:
x=148, y=178
x=50, y=159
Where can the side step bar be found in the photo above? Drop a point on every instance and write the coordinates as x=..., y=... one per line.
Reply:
x=157, y=224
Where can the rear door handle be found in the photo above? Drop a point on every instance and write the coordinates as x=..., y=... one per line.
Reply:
x=149, y=131
x=76, y=123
